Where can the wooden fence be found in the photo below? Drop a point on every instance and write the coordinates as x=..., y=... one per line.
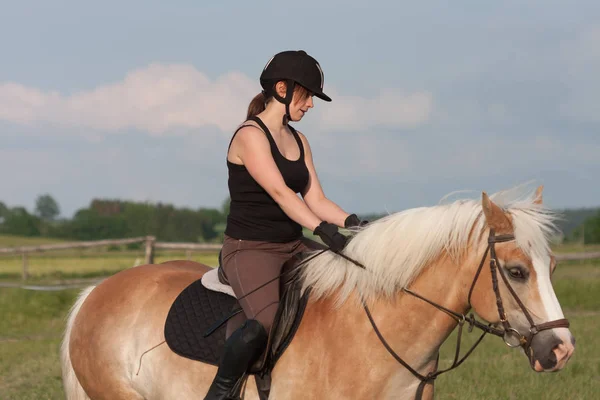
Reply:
x=151, y=244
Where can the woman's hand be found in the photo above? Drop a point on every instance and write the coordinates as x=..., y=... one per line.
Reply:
x=352, y=220
x=330, y=235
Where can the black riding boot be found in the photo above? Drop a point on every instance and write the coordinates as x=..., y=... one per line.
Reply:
x=242, y=349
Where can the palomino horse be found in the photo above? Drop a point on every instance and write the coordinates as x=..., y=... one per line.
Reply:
x=338, y=352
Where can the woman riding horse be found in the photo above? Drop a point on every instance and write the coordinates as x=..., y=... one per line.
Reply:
x=424, y=269
x=269, y=162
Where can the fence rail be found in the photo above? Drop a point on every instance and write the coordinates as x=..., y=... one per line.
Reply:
x=152, y=244
x=68, y=246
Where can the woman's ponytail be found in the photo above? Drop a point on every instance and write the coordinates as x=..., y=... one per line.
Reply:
x=256, y=106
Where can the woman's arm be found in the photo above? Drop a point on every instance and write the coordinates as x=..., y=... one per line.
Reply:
x=252, y=148
x=314, y=196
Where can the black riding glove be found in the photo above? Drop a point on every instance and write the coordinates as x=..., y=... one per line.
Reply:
x=330, y=236
x=352, y=220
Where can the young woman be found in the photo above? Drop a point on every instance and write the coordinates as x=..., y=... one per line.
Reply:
x=269, y=163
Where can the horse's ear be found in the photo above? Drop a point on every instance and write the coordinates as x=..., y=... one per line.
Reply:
x=496, y=219
x=538, y=195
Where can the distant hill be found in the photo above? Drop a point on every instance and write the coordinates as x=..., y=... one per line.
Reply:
x=573, y=218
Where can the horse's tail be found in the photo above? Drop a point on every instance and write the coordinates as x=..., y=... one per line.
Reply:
x=72, y=387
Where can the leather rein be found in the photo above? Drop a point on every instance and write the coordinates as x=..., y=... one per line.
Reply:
x=508, y=333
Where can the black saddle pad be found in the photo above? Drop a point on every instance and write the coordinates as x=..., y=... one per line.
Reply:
x=198, y=309
x=192, y=314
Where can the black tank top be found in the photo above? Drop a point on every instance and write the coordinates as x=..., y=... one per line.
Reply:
x=253, y=214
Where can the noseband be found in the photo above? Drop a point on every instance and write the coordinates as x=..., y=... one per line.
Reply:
x=507, y=333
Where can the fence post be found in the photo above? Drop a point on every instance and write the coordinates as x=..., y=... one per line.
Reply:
x=150, y=249
x=25, y=266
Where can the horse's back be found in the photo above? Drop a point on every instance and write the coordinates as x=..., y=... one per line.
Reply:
x=123, y=317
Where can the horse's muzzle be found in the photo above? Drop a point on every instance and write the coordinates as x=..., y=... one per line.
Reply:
x=549, y=352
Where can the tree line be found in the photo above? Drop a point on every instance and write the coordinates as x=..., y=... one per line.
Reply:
x=108, y=219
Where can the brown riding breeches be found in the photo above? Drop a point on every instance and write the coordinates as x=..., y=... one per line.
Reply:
x=249, y=264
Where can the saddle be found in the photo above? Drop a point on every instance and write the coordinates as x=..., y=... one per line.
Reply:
x=195, y=327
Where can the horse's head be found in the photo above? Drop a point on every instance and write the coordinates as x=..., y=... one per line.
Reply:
x=523, y=268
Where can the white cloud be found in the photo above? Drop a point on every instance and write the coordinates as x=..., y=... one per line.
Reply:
x=160, y=99
x=155, y=99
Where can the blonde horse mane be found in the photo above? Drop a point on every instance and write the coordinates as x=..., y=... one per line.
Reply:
x=396, y=248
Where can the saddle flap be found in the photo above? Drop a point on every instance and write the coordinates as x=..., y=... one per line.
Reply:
x=194, y=311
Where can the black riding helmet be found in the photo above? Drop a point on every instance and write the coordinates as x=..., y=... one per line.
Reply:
x=293, y=67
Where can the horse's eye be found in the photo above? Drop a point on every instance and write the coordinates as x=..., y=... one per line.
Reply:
x=518, y=273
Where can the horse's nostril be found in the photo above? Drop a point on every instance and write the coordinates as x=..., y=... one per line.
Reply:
x=573, y=340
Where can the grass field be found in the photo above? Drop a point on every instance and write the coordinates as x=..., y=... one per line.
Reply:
x=13, y=240
x=88, y=264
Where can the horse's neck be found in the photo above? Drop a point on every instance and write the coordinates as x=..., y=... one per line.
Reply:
x=414, y=327
x=414, y=330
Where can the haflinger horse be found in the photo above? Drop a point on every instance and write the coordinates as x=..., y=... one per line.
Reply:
x=367, y=333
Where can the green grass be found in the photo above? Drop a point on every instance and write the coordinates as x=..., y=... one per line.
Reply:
x=16, y=241
x=62, y=266
x=31, y=325
x=575, y=248
x=495, y=371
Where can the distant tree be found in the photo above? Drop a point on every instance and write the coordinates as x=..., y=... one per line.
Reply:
x=225, y=206
x=591, y=229
x=46, y=207
x=572, y=221
x=20, y=222
x=89, y=225
x=3, y=212
x=587, y=232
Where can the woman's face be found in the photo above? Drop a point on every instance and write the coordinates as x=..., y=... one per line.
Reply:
x=301, y=102
x=300, y=105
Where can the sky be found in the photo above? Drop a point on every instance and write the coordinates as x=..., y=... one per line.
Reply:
x=138, y=100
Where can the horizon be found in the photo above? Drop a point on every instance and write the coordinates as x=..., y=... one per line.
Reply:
x=61, y=216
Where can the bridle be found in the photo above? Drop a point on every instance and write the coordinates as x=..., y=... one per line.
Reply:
x=507, y=333
x=523, y=340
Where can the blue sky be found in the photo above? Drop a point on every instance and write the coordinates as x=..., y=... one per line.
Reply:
x=137, y=100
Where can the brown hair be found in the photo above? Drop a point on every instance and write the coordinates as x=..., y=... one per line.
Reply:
x=257, y=105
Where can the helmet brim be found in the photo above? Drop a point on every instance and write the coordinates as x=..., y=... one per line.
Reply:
x=322, y=96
